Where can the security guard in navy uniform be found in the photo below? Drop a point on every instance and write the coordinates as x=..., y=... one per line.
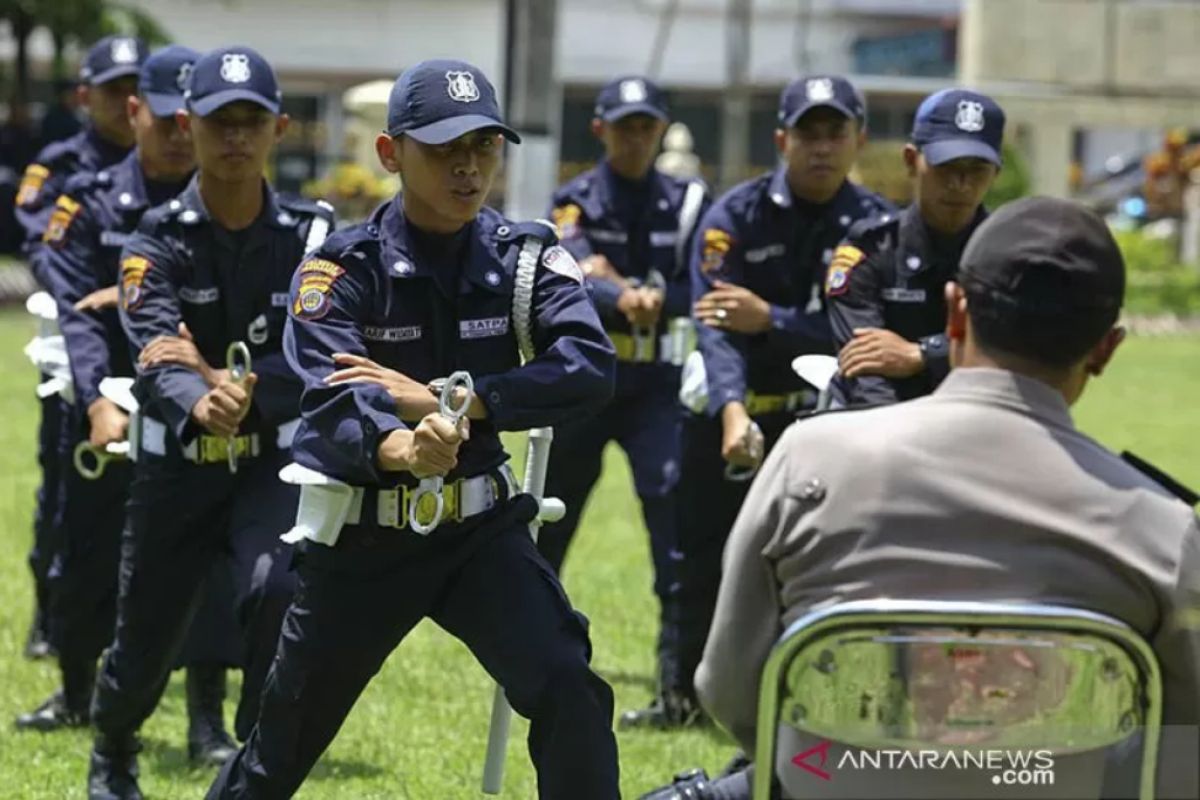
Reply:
x=422, y=290
x=108, y=77
x=628, y=225
x=884, y=287
x=218, y=259
x=91, y=220
x=757, y=269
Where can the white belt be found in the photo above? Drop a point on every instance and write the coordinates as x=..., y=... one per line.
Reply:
x=327, y=504
x=152, y=439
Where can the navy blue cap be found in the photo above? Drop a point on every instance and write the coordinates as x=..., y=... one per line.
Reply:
x=957, y=123
x=164, y=78
x=438, y=101
x=820, y=91
x=113, y=57
x=229, y=74
x=631, y=94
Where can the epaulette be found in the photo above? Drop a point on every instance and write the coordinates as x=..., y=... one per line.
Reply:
x=540, y=229
x=341, y=242
x=158, y=215
x=873, y=227
x=84, y=182
x=305, y=205
x=1164, y=480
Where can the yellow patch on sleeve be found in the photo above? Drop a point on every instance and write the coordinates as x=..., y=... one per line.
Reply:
x=717, y=244
x=31, y=184
x=566, y=220
x=133, y=274
x=65, y=211
x=845, y=259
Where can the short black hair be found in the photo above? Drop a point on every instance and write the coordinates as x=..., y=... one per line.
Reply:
x=1051, y=334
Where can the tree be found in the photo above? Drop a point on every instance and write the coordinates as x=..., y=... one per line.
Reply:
x=71, y=22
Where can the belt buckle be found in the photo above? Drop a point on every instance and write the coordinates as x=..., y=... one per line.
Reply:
x=451, y=505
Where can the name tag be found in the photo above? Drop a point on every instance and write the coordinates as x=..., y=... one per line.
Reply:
x=114, y=238
x=606, y=236
x=199, y=296
x=895, y=295
x=279, y=299
x=761, y=254
x=406, y=334
x=663, y=238
x=482, y=328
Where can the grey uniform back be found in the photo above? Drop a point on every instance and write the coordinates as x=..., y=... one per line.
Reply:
x=982, y=491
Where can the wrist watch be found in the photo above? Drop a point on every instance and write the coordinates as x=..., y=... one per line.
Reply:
x=934, y=346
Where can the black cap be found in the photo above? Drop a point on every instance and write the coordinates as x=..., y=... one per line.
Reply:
x=230, y=74
x=164, y=78
x=1046, y=255
x=437, y=101
x=631, y=94
x=957, y=123
x=112, y=57
x=820, y=91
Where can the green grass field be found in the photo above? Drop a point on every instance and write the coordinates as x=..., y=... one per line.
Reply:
x=420, y=729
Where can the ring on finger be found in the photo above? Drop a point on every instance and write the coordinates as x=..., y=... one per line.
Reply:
x=722, y=314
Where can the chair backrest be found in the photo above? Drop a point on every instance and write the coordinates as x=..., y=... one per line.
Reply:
x=947, y=677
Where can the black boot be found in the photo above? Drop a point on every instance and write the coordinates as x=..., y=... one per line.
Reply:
x=208, y=741
x=113, y=771
x=670, y=710
x=52, y=715
x=67, y=708
x=691, y=785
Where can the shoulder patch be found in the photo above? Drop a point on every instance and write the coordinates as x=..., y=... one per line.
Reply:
x=1164, y=480
x=31, y=184
x=566, y=220
x=558, y=260
x=65, y=211
x=313, y=296
x=845, y=259
x=133, y=274
x=717, y=244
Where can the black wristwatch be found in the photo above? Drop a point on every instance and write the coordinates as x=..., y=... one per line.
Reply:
x=935, y=346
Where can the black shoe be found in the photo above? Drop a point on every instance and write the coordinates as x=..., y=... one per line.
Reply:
x=692, y=785
x=113, y=771
x=209, y=744
x=53, y=715
x=667, y=711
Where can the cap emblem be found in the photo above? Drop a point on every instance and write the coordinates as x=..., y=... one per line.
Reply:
x=970, y=116
x=235, y=68
x=633, y=91
x=819, y=90
x=181, y=77
x=461, y=86
x=124, y=51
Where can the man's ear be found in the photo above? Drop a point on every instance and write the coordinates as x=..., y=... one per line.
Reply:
x=388, y=151
x=281, y=126
x=912, y=157
x=1104, y=350
x=598, y=128
x=183, y=119
x=83, y=94
x=956, y=312
x=781, y=140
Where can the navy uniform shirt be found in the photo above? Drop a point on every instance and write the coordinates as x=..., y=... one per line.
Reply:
x=90, y=222
x=759, y=236
x=46, y=177
x=369, y=291
x=891, y=273
x=181, y=266
x=636, y=226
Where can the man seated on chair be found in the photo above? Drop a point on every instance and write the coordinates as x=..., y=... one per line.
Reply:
x=983, y=491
